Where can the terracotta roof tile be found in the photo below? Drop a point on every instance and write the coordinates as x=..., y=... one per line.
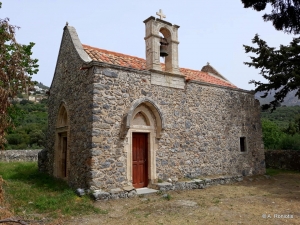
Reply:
x=119, y=59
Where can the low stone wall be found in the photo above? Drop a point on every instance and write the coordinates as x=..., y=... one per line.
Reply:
x=129, y=191
x=19, y=155
x=114, y=194
x=197, y=183
x=283, y=159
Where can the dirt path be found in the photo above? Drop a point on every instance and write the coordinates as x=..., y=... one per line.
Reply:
x=246, y=202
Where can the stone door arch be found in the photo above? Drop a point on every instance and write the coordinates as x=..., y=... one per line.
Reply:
x=62, y=153
x=144, y=118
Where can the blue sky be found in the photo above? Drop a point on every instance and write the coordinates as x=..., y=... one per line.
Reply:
x=210, y=31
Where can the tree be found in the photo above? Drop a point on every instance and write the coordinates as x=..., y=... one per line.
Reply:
x=291, y=129
x=271, y=134
x=285, y=14
x=280, y=67
x=16, y=69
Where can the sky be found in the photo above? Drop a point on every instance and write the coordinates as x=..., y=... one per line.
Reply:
x=211, y=31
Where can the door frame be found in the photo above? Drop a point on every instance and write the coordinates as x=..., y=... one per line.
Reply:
x=151, y=129
x=59, y=171
x=146, y=167
x=152, y=147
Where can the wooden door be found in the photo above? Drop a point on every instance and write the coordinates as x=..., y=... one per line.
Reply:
x=140, y=160
x=64, y=157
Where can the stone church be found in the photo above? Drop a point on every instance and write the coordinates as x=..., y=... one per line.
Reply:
x=117, y=120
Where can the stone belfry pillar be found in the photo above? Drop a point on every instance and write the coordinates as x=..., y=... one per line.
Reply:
x=154, y=27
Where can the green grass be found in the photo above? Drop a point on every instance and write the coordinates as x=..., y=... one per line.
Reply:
x=272, y=172
x=30, y=192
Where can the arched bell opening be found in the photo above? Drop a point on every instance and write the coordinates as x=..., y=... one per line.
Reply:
x=62, y=155
x=165, y=40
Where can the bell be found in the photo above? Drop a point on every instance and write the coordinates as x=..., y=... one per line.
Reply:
x=163, y=47
x=163, y=50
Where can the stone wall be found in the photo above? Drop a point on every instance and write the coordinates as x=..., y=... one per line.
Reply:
x=73, y=87
x=19, y=155
x=203, y=126
x=283, y=159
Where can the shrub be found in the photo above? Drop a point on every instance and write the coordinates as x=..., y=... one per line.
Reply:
x=271, y=134
x=289, y=142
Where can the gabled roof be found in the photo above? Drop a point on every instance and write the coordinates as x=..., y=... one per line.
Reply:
x=133, y=62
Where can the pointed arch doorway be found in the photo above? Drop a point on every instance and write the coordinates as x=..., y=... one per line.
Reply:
x=142, y=125
x=61, y=157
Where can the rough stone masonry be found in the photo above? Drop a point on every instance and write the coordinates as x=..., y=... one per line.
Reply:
x=99, y=99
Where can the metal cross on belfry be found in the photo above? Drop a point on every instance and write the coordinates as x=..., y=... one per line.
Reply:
x=160, y=14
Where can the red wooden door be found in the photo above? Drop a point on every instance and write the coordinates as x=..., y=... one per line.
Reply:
x=140, y=160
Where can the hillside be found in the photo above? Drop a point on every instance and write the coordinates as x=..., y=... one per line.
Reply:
x=282, y=115
x=30, y=119
x=42, y=86
x=290, y=99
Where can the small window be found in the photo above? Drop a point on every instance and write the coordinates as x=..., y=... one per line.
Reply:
x=243, y=144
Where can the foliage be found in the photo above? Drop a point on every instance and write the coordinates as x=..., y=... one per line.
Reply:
x=280, y=67
x=271, y=134
x=285, y=14
x=297, y=123
x=274, y=172
x=279, y=129
x=289, y=142
x=31, y=124
x=282, y=116
x=29, y=190
x=17, y=67
x=291, y=129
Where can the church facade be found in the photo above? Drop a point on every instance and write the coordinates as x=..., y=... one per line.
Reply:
x=117, y=120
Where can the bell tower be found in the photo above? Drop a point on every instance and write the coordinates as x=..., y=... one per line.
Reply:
x=166, y=46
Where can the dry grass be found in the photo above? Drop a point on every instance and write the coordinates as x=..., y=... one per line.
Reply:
x=239, y=203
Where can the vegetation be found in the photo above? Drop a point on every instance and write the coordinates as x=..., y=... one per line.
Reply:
x=274, y=172
x=281, y=129
x=280, y=67
x=282, y=116
x=285, y=14
x=17, y=67
x=28, y=190
x=30, y=121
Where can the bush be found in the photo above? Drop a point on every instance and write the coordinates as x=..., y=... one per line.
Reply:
x=271, y=134
x=17, y=139
x=289, y=142
x=37, y=137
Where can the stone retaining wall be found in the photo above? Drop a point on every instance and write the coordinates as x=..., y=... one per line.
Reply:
x=283, y=159
x=19, y=155
x=197, y=183
x=129, y=192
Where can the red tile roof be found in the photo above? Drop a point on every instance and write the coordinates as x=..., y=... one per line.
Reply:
x=119, y=59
